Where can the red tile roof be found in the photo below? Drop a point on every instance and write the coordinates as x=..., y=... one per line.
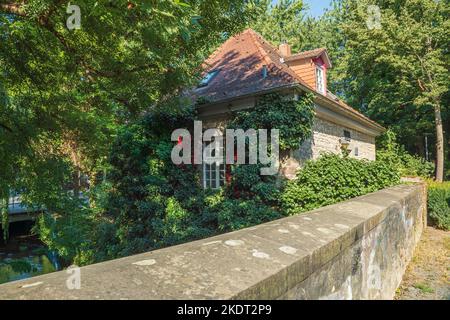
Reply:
x=240, y=61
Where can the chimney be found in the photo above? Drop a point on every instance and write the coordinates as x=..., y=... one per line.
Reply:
x=285, y=49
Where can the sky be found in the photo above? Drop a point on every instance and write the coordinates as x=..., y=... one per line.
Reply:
x=317, y=7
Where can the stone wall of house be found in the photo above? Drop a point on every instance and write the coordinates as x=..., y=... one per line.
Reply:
x=326, y=138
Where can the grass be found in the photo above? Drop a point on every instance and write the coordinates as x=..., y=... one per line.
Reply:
x=424, y=288
x=447, y=243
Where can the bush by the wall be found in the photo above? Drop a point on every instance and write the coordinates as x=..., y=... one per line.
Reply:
x=332, y=179
x=389, y=151
x=408, y=165
x=235, y=214
x=439, y=204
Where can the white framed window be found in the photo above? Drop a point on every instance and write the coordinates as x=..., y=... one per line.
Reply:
x=213, y=176
x=213, y=173
x=320, y=80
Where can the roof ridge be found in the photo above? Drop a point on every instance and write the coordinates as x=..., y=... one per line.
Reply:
x=278, y=64
x=219, y=48
x=309, y=51
x=258, y=45
x=268, y=43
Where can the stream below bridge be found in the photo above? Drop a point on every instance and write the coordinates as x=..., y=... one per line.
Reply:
x=24, y=255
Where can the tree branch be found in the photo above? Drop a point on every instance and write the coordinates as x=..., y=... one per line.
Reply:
x=12, y=8
x=6, y=127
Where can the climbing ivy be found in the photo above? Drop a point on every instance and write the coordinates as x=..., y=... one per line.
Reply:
x=250, y=197
x=293, y=116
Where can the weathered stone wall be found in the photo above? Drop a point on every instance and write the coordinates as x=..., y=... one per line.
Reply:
x=373, y=266
x=356, y=249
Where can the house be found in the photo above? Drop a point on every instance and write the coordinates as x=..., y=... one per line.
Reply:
x=246, y=66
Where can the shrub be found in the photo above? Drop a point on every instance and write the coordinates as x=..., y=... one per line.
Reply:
x=389, y=151
x=447, y=169
x=439, y=204
x=408, y=165
x=236, y=214
x=332, y=179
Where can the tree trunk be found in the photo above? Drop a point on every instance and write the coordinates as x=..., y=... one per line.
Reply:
x=439, y=144
x=4, y=215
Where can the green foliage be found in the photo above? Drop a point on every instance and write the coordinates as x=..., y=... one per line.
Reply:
x=152, y=202
x=331, y=179
x=293, y=117
x=19, y=265
x=389, y=151
x=247, y=183
x=251, y=198
x=235, y=214
x=72, y=101
x=69, y=233
x=439, y=204
x=281, y=21
x=447, y=172
x=65, y=95
x=399, y=72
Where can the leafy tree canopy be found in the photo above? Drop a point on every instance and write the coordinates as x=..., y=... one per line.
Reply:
x=64, y=93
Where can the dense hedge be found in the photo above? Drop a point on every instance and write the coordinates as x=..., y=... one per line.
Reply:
x=439, y=204
x=332, y=178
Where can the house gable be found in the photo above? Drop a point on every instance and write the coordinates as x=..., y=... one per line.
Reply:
x=307, y=64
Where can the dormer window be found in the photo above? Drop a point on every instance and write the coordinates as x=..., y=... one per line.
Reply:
x=207, y=78
x=320, y=80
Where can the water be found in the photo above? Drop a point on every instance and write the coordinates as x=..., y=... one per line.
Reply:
x=24, y=256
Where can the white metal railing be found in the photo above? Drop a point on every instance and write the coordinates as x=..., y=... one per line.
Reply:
x=15, y=205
